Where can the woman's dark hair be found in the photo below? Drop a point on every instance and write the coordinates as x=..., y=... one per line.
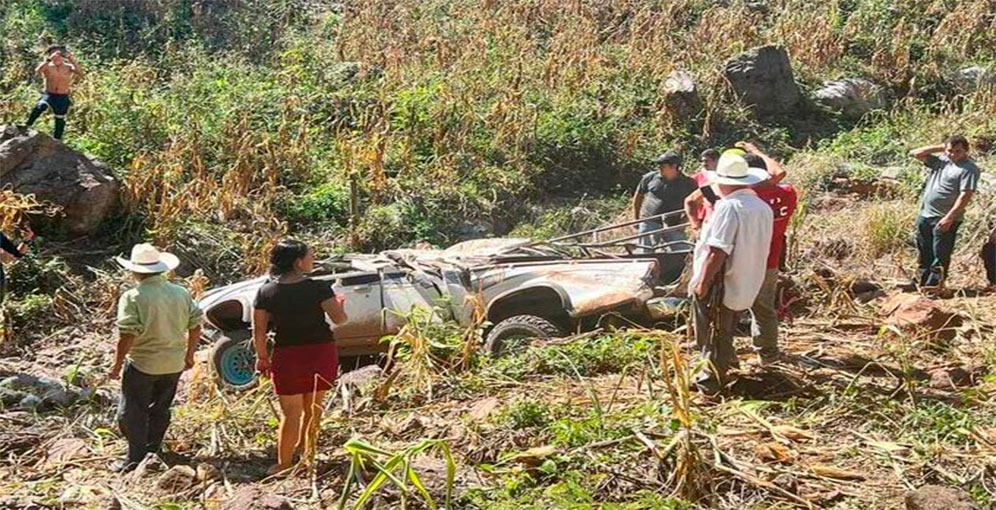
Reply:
x=285, y=254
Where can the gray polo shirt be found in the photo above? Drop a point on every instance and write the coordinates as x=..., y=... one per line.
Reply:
x=946, y=181
x=661, y=195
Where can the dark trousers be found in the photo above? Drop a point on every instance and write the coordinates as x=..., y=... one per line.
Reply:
x=713, y=327
x=935, y=249
x=60, y=107
x=144, y=412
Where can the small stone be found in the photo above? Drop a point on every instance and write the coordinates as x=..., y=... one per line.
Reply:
x=936, y=497
x=31, y=402
x=787, y=482
x=207, y=472
x=151, y=464
x=176, y=479
x=11, y=397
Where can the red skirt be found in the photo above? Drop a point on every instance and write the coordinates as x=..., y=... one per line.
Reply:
x=298, y=369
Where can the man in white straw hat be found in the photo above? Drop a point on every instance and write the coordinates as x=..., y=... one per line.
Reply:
x=159, y=326
x=729, y=265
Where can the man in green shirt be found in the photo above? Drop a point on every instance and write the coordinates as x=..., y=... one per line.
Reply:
x=159, y=327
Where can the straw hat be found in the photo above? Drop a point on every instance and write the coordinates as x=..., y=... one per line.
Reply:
x=146, y=259
x=732, y=170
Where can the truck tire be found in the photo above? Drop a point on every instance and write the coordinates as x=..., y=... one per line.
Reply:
x=507, y=336
x=234, y=360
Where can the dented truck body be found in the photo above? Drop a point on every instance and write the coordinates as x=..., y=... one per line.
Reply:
x=521, y=293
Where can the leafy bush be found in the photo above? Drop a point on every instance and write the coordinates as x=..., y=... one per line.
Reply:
x=326, y=203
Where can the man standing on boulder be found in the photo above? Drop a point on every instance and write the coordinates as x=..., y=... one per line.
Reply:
x=729, y=266
x=662, y=191
x=952, y=181
x=57, y=71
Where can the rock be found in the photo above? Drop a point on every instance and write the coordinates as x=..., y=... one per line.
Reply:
x=971, y=78
x=861, y=286
x=681, y=99
x=150, y=464
x=207, y=472
x=31, y=402
x=917, y=312
x=176, y=479
x=936, y=497
x=59, y=398
x=35, y=163
x=11, y=397
x=763, y=78
x=474, y=229
x=250, y=498
x=951, y=378
x=362, y=377
x=851, y=97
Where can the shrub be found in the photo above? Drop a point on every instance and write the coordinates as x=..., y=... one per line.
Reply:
x=886, y=227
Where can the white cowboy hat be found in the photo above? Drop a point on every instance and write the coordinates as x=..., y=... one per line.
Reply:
x=146, y=259
x=732, y=170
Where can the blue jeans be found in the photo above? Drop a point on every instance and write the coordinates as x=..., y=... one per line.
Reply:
x=653, y=240
x=935, y=249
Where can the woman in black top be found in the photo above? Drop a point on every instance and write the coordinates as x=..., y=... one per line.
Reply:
x=304, y=363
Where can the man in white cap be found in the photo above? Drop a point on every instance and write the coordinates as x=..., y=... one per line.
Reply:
x=729, y=265
x=159, y=327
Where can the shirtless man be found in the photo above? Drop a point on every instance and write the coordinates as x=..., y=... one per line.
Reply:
x=58, y=71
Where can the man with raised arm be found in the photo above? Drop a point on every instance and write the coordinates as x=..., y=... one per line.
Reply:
x=57, y=71
x=952, y=181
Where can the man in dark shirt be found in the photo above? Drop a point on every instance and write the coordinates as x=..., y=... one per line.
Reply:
x=659, y=199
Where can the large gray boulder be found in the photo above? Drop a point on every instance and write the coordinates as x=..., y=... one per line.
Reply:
x=852, y=97
x=763, y=78
x=35, y=163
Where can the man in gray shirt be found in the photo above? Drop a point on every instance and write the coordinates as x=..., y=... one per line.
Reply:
x=952, y=181
x=662, y=191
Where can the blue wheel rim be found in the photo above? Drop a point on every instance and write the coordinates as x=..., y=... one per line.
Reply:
x=238, y=365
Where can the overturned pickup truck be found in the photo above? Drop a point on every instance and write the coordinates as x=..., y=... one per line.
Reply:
x=527, y=290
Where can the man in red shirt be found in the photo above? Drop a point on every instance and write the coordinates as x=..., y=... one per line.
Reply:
x=783, y=200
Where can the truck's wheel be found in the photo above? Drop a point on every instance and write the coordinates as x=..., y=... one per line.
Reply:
x=513, y=333
x=234, y=360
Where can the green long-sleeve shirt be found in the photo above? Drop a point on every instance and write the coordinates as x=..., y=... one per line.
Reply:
x=159, y=314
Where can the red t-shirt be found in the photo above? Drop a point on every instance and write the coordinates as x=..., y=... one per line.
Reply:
x=782, y=199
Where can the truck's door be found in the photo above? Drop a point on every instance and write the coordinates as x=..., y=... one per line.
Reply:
x=363, y=294
x=405, y=291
